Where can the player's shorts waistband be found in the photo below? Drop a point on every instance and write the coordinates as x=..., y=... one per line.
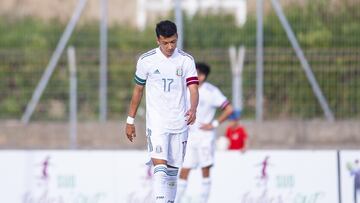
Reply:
x=166, y=131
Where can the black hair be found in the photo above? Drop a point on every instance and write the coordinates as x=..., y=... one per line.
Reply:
x=203, y=68
x=165, y=28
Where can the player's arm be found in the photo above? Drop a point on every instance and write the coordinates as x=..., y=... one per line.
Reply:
x=226, y=112
x=194, y=100
x=134, y=104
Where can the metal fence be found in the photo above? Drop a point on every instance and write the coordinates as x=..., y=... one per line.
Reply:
x=333, y=56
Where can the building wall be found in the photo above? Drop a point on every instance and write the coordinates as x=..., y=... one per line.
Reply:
x=120, y=11
x=280, y=134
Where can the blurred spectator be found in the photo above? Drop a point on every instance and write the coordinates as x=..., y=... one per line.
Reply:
x=236, y=133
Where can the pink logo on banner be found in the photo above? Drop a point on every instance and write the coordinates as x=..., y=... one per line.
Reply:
x=264, y=175
x=45, y=167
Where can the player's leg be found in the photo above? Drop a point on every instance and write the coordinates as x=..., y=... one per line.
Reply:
x=158, y=148
x=160, y=178
x=205, y=184
x=182, y=183
x=171, y=184
x=190, y=161
x=206, y=158
x=177, y=149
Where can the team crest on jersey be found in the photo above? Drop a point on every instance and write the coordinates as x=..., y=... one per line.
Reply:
x=179, y=71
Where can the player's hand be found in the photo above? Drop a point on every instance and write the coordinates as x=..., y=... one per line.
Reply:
x=206, y=126
x=130, y=132
x=190, y=116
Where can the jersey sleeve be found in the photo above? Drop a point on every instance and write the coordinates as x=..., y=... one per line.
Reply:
x=219, y=100
x=191, y=74
x=141, y=73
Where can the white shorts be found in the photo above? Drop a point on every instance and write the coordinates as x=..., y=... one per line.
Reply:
x=200, y=149
x=167, y=146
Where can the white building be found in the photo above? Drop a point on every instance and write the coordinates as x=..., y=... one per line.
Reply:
x=191, y=7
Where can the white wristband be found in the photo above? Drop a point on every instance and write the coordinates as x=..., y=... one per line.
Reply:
x=130, y=120
x=215, y=123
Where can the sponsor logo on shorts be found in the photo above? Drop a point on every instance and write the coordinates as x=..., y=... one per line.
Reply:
x=158, y=149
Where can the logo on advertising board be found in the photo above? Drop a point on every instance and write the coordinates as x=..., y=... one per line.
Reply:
x=49, y=184
x=263, y=177
x=273, y=187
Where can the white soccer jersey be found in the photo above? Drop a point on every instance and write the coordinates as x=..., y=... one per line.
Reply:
x=210, y=98
x=201, y=143
x=166, y=80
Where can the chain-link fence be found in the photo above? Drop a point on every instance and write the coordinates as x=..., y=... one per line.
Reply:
x=328, y=32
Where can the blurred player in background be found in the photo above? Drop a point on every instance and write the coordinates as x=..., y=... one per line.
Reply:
x=201, y=142
x=167, y=73
x=236, y=134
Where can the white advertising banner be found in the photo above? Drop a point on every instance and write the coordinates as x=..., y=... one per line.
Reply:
x=123, y=177
x=350, y=176
x=70, y=176
x=272, y=177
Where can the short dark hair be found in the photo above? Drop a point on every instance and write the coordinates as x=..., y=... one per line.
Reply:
x=203, y=68
x=165, y=28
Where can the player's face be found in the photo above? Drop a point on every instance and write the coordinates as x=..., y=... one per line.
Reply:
x=167, y=44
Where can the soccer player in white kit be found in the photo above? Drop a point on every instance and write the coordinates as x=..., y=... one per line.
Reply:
x=166, y=73
x=201, y=142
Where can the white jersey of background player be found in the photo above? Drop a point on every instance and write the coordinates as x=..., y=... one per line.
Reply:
x=167, y=73
x=201, y=142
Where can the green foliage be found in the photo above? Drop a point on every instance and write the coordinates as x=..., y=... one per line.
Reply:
x=26, y=46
